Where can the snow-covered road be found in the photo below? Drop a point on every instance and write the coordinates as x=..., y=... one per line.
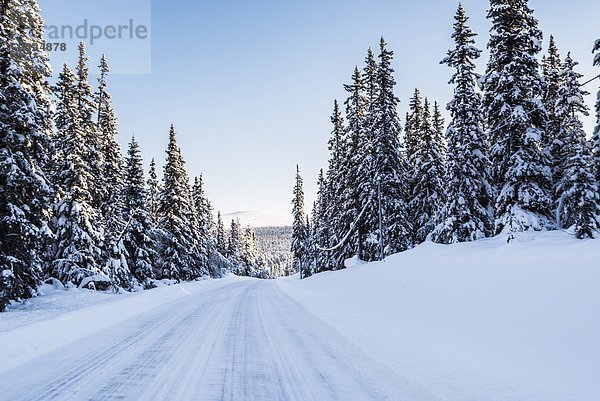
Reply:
x=240, y=340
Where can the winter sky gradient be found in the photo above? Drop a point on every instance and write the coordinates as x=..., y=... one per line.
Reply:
x=250, y=85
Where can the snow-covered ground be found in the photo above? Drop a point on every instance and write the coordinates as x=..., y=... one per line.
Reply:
x=478, y=321
x=486, y=321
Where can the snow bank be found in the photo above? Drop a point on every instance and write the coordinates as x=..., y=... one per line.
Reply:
x=61, y=317
x=478, y=321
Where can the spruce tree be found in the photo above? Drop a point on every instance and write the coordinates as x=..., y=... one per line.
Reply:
x=178, y=249
x=136, y=236
x=110, y=183
x=310, y=255
x=355, y=156
x=466, y=215
x=234, y=251
x=203, y=216
x=320, y=226
x=337, y=216
x=221, y=242
x=76, y=253
x=551, y=68
x=249, y=252
x=369, y=224
x=412, y=127
x=299, y=233
x=427, y=197
x=596, y=137
x=25, y=130
x=516, y=118
x=389, y=183
x=578, y=205
x=438, y=127
x=154, y=191
x=88, y=107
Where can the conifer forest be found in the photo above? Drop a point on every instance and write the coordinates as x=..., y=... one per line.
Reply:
x=449, y=252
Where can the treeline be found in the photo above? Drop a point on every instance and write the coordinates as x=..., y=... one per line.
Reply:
x=73, y=208
x=274, y=245
x=513, y=158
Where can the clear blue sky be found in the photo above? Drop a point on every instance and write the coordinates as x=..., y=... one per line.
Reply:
x=250, y=85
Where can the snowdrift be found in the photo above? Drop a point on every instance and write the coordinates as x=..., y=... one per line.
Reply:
x=476, y=321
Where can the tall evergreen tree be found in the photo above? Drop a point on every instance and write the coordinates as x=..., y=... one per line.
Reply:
x=203, y=216
x=235, y=244
x=337, y=216
x=427, y=197
x=76, y=252
x=412, y=128
x=596, y=137
x=136, y=236
x=551, y=68
x=466, y=215
x=25, y=129
x=320, y=226
x=249, y=252
x=516, y=119
x=357, y=106
x=389, y=182
x=221, y=242
x=438, y=127
x=577, y=190
x=368, y=225
x=154, y=191
x=111, y=174
x=299, y=232
x=178, y=248
x=88, y=107
x=110, y=183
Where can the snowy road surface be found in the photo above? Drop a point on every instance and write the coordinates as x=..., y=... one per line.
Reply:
x=242, y=340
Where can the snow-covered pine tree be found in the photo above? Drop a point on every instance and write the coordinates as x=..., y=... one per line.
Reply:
x=76, y=253
x=299, y=234
x=137, y=232
x=111, y=175
x=311, y=267
x=551, y=72
x=177, y=254
x=320, y=226
x=199, y=253
x=221, y=241
x=249, y=252
x=428, y=194
x=578, y=205
x=337, y=217
x=87, y=104
x=412, y=127
x=596, y=137
x=110, y=183
x=369, y=224
x=516, y=119
x=234, y=247
x=154, y=191
x=438, y=124
x=25, y=130
x=204, y=219
x=466, y=215
x=389, y=181
x=355, y=156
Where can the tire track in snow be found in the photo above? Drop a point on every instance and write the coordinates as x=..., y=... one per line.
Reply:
x=246, y=340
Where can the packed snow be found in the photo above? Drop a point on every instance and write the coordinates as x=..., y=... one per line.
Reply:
x=477, y=321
